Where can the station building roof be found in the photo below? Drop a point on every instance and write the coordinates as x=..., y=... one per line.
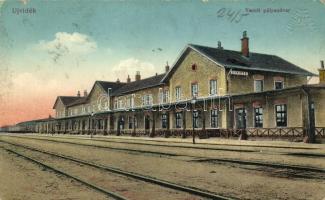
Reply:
x=231, y=59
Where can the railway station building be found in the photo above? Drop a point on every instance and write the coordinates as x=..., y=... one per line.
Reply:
x=209, y=91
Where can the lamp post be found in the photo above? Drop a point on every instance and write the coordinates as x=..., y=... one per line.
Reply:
x=193, y=101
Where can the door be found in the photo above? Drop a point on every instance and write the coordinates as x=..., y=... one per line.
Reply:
x=147, y=122
x=240, y=118
x=121, y=124
x=83, y=125
x=312, y=118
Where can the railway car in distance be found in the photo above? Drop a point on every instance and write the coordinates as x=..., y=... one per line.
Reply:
x=23, y=127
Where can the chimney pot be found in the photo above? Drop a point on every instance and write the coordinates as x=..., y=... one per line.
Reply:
x=128, y=80
x=245, y=34
x=167, y=67
x=137, y=76
x=245, y=45
x=322, y=64
x=219, y=45
x=85, y=93
x=118, y=80
x=78, y=94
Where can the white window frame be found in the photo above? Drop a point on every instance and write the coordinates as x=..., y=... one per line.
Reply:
x=197, y=90
x=262, y=85
x=120, y=103
x=147, y=100
x=178, y=93
x=165, y=97
x=128, y=101
x=215, y=89
x=181, y=118
x=217, y=118
x=274, y=113
x=163, y=119
x=254, y=116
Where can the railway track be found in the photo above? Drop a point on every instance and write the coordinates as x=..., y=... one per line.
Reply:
x=210, y=144
x=84, y=182
x=179, y=142
x=152, y=180
x=298, y=154
x=297, y=169
x=162, y=145
x=97, y=146
x=201, y=159
x=111, y=140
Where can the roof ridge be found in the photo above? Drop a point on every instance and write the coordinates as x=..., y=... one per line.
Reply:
x=146, y=78
x=131, y=81
x=68, y=96
x=109, y=81
x=138, y=85
x=151, y=77
x=230, y=50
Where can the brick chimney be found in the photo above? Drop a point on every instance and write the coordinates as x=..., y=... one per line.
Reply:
x=167, y=67
x=321, y=73
x=85, y=93
x=245, y=45
x=78, y=94
x=137, y=76
x=128, y=80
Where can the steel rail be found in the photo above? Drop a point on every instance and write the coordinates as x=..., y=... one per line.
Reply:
x=204, y=143
x=145, y=178
x=97, y=188
x=199, y=159
x=97, y=146
x=158, y=145
x=305, y=154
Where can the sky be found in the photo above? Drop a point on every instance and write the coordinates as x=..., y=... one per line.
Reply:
x=64, y=46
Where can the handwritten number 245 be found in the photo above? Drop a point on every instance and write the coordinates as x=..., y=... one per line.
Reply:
x=231, y=15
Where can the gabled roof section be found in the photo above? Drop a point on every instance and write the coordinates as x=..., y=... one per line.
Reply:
x=105, y=85
x=75, y=100
x=113, y=85
x=78, y=101
x=66, y=100
x=235, y=60
x=138, y=85
x=255, y=61
x=176, y=64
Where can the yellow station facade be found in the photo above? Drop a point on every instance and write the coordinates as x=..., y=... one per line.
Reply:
x=209, y=91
